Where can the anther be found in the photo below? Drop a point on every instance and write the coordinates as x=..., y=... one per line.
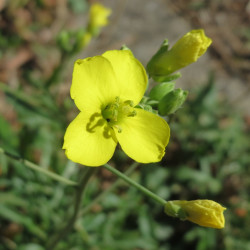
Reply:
x=119, y=129
x=132, y=114
x=129, y=102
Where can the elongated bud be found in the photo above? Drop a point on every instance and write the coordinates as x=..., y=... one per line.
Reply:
x=172, y=101
x=206, y=213
x=186, y=51
x=98, y=18
x=64, y=42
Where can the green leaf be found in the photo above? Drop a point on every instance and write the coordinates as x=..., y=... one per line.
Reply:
x=19, y=218
x=7, y=136
x=31, y=246
x=12, y=199
x=78, y=6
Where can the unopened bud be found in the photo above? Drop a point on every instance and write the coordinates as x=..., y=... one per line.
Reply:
x=185, y=51
x=206, y=213
x=125, y=47
x=98, y=18
x=160, y=90
x=172, y=101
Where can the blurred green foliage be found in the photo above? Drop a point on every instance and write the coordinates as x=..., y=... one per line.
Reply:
x=208, y=157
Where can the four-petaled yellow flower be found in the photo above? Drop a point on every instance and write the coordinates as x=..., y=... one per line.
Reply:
x=206, y=213
x=106, y=90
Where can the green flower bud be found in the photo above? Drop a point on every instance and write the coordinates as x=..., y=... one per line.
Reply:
x=125, y=47
x=172, y=101
x=64, y=40
x=160, y=90
x=186, y=51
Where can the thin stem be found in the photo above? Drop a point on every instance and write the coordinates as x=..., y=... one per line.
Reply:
x=38, y=168
x=135, y=184
x=89, y=171
x=109, y=189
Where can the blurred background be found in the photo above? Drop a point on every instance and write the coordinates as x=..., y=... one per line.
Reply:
x=208, y=154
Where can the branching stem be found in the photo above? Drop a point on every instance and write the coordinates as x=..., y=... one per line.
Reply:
x=38, y=168
x=88, y=172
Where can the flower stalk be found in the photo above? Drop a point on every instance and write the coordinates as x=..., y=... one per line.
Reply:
x=87, y=173
x=135, y=184
x=37, y=168
x=87, y=208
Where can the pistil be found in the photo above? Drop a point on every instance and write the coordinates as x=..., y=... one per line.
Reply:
x=114, y=112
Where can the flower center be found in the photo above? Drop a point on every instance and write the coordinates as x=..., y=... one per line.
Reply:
x=114, y=112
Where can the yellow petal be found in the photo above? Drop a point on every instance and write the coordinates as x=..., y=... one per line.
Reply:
x=93, y=84
x=206, y=213
x=89, y=141
x=144, y=136
x=130, y=73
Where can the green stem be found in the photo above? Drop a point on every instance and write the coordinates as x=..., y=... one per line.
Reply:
x=135, y=184
x=89, y=171
x=109, y=189
x=38, y=168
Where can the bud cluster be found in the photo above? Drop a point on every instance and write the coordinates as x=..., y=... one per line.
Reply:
x=165, y=98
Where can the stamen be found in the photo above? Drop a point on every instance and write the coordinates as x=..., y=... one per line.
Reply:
x=117, y=99
x=132, y=114
x=129, y=102
x=118, y=128
x=115, y=114
x=116, y=111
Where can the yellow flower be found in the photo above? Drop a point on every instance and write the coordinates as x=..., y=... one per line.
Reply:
x=98, y=15
x=205, y=213
x=184, y=52
x=106, y=90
